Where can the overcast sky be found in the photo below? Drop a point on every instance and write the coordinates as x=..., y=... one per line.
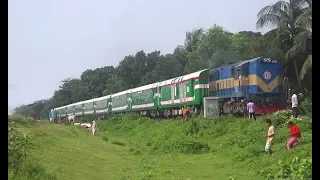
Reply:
x=51, y=40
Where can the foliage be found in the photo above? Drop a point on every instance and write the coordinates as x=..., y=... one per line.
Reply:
x=292, y=21
x=120, y=143
x=18, y=145
x=280, y=117
x=33, y=171
x=296, y=169
x=25, y=120
x=306, y=106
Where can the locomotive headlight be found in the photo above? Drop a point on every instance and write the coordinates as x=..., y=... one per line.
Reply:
x=267, y=60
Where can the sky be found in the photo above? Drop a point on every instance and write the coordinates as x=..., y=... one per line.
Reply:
x=52, y=40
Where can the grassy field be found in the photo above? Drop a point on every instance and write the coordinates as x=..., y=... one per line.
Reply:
x=130, y=147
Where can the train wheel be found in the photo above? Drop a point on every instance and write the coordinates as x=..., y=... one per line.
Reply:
x=167, y=113
x=153, y=114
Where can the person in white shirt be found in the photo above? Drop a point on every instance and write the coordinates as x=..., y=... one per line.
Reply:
x=251, y=110
x=294, y=104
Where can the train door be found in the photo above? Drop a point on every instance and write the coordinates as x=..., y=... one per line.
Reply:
x=182, y=92
x=158, y=96
x=218, y=87
x=173, y=92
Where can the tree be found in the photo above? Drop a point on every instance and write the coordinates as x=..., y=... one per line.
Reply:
x=193, y=39
x=24, y=110
x=289, y=18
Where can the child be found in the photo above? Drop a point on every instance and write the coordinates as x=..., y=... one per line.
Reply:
x=295, y=135
x=270, y=137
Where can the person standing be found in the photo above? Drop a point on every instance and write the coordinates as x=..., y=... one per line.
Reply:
x=94, y=128
x=185, y=114
x=294, y=104
x=50, y=116
x=251, y=110
x=295, y=135
x=270, y=137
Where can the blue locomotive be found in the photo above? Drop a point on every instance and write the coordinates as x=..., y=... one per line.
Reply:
x=258, y=79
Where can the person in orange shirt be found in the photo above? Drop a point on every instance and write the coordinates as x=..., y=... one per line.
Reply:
x=295, y=135
x=185, y=114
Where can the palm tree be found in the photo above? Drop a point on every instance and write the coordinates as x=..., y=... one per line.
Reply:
x=192, y=39
x=304, y=22
x=292, y=20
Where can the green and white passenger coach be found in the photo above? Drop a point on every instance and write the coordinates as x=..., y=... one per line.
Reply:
x=164, y=98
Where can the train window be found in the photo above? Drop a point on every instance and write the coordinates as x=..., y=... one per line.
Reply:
x=211, y=78
x=245, y=71
x=175, y=90
x=233, y=72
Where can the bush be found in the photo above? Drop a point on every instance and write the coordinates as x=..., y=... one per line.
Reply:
x=280, y=117
x=181, y=145
x=21, y=119
x=105, y=138
x=67, y=123
x=18, y=145
x=306, y=106
x=296, y=169
x=34, y=172
x=118, y=142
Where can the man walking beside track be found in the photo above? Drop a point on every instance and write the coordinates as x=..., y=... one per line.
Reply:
x=185, y=114
x=251, y=110
x=294, y=103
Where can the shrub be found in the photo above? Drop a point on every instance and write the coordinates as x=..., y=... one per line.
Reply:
x=105, y=138
x=181, y=145
x=18, y=145
x=67, y=123
x=21, y=119
x=280, y=117
x=306, y=106
x=297, y=169
x=118, y=142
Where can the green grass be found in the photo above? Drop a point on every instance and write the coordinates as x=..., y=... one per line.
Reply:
x=130, y=147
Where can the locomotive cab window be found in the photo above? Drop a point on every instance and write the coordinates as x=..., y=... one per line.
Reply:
x=245, y=71
x=233, y=72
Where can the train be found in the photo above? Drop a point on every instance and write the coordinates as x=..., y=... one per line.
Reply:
x=259, y=79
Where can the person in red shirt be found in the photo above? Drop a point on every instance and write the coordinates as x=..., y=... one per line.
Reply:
x=295, y=134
